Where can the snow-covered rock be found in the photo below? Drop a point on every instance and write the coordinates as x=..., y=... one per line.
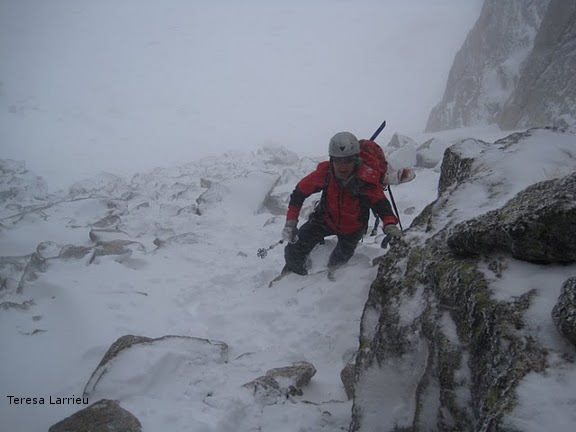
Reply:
x=545, y=211
x=143, y=261
x=546, y=89
x=104, y=184
x=564, y=312
x=186, y=360
x=19, y=187
x=487, y=67
x=277, y=155
x=442, y=347
x=401, y=152
x=430, y=153
x=100, y=416
x=282, y=382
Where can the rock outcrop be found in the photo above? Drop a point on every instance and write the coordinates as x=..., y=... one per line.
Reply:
x=114, y=376
x=282, y=382
x=487, y=67
x=18, y=185
x=102, y=416
x=564, y=313
x=515, y=68
x=538, y=225
x=546, y=91
x=438, y=349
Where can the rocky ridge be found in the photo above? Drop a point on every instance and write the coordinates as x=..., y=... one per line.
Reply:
x=434, y=327
x=487, y=67
x=416, y=327
x=515, y=69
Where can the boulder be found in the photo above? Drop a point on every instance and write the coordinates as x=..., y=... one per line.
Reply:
x=215, y=194
x=181, y=239
x=102, y=416
x=36, y=264
x=11, y=271
x=457, y=163
x=19, y=187
x=401, y=152
x=108, y=234
x=48, y=249
x=104, y=184
x=116, y=377
x=110, y=221
x=538, y=225
x=430, y=153
x=277, y=155
x=282, y=382
x=74, y=252
x=564, y=312
x=120, y=249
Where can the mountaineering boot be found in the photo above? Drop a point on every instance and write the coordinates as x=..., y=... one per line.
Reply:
x=286, y=271
x=297, y=268
x=331, y=275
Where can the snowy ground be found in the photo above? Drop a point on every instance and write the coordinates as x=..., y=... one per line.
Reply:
x=214, y=288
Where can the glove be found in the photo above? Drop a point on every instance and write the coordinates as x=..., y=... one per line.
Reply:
x=406, y=175
x=290, y=232
x=393, y=231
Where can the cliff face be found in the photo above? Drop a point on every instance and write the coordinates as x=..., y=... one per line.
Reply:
x=447, y=341
x=546, y=90
x=487, y=67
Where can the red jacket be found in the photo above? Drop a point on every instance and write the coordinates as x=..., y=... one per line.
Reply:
x=345, y=208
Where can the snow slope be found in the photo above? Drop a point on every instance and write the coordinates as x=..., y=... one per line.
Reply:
x=205, y=281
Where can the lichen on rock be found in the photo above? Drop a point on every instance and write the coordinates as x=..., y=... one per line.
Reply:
x=438, y=350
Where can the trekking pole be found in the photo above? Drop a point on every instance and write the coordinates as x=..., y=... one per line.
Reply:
x=262, y=252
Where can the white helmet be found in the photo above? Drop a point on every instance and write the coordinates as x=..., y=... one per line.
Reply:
x=343, y=144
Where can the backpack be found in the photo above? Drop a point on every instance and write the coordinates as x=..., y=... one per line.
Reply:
x=373, y=156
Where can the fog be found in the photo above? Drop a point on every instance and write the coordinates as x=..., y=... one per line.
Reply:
x=126, y=85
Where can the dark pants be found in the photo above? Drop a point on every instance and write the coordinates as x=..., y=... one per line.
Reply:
x=312, y=233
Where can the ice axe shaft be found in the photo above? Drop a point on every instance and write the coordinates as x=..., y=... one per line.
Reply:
x=375, y=134
x=374, y=231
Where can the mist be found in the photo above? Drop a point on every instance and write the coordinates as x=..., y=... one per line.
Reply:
x=125, y=86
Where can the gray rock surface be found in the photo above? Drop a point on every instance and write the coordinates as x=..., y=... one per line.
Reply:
x=546, y=89
x=19, y=187
x=487, y=67
x=348, y=376
x=564, y=312
x=438, y=350
x=189, y=350
x=538, y=225
x=102, y=416
x=457, y=166
x=282, y=382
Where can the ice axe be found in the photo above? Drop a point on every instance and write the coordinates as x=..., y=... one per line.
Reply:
x=386, y=240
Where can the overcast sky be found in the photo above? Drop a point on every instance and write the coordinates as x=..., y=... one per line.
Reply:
x=127, y=85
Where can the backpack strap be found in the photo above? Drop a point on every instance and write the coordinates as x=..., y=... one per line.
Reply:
x=320, y=203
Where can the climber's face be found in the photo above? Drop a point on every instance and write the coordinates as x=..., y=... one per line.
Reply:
x=344, y=167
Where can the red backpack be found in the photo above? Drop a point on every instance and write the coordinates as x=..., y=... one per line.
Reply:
x=373, y=156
